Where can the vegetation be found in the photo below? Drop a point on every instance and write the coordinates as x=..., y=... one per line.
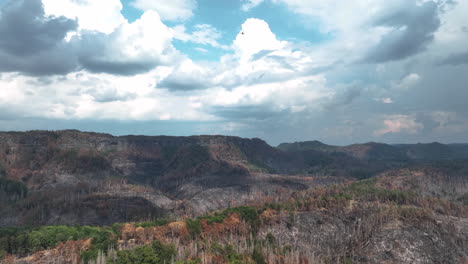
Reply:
x=23, y=241
x=2, y=171
x=155, y=253
x=243, y=243
x=257, y=256
x=464, y=199
x=77, y=162
x=159, y=222
x=193, y=226
x=247, y=213
x=12, y=190
x=227, y=252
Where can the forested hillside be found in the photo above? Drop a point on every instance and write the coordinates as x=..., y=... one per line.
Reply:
x=74, y=197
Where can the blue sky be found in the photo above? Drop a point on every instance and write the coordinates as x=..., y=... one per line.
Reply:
x=282, y=70
x=228, y=16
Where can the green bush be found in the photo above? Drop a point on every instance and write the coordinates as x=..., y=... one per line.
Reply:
x=258, y=257
x=155, y=253
x=247, y=213
x=227, y=252
x=193, y=226
x=270, y=239
x=367, y=190
x=13, y=189
x=23, y=241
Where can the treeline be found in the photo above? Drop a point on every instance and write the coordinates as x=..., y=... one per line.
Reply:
x=356, y=211
x=154, y=253
x=12, y=190
x=25, y=241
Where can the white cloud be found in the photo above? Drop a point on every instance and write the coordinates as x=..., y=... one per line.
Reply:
x=187, y=76
x=399, y=123
x=249, y=4
x=386, y=100
x=96, y=96
x=174, y=10
x=254, y=37
x=203, y=34
x=451, y=36
x=409, y=81
x=102, y=15
x=263, y=75
x=202, y=50
x=291, y=95
x=132, y=48
x=336, y=15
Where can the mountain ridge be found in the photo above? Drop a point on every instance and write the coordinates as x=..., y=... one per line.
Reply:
x=298, y=203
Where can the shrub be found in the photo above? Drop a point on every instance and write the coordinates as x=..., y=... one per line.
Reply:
x=14, y=190
x=257, y=256
x=193, y=226
x=155, y=253
x=23, y=241
x=227, y=252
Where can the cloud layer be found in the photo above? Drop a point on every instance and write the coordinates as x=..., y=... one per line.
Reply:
x=395, y=73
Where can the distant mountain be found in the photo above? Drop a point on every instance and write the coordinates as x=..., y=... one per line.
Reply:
x=307, y=145
x=53, y=177
x=386, y=152
x=435, y=151
x=221, y=199
x=149, y=175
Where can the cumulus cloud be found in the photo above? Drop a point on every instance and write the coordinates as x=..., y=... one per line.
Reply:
x=263, y=100
x=398, y=124
x=259, y=58
x=262, y=85
x=103, y=15
x=32, y=42
x=131, y=49
x=412, y=29
x=36, y=44
x=188, y=76
x=378, y=31
x=169, y=10
x=409, y=81
x=255, y=36
x=203, y=34
x=95, y=96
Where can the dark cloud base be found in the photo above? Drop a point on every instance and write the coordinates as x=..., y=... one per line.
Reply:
x=413, y=29
x=33, y=44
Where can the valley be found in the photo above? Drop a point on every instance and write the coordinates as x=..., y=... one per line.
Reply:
x=78, y=197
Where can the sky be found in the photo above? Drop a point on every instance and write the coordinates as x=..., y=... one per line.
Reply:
x=337, y=71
